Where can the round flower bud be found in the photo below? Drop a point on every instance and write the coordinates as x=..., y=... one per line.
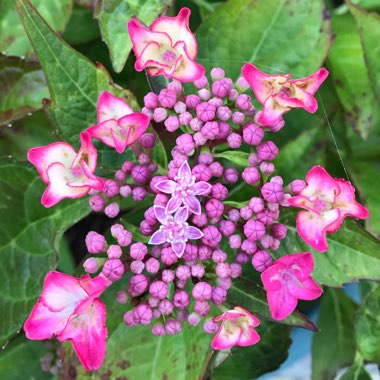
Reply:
x=234, y=140
x=172, y=326
x=205, y=111
x=142, y=314
x=256, y=204
x=152, y=265
x=114, y=251
x=238, y=118
x=112, y=188
x=159, y=289
x=113, y=269
x=196, y=124
x=249, y=246
x=218, y=191
x=197, y=270
x=223, y=270
x=183, y=272
x=158, y=329
x=210, y=129
x=140, y=173
x=267, y=151
x=95, y=242
x=242, y=258
x=112, y=210
x=218, y=295
x=204, y=94
x=224, y=113
x=115, y=229
x=124, y=238
x=267, y=167
x=97, y=203
x=226, y=227
x=202, y=308
x=91, y=265
x=201, y=82
x=202, y=291
x=262, y=260
x=137, y=266
x=120, y=177
x=128, y=319
x=253, y=159
x=204, y=253
x=225, y=283
x=221, y=88
x=193, y=319
x=244, y=102
x=214, y=208
x=279, y=231
x=192, y=101
x=167, y=98
x=234, y=241
x=127, y=167
x=235, y=270
x=159, y=114
x=122, y=297
x=185, y=118
x=231, y=175
x=251, y=175
x=151, y=100
x=185, y=143
x=125, y=191
x=147, y=140
x=138, y=251
x=272, y=192
x=212, y=236
x=254, y=230
x=246, y=213
x=168, y=256
x=205, y=158
x=217, y=73
x=210, y=327
x=219, y=256
x=167, y=276
x=216, y=169
x=297, y=186
x=234, y=215
x=138, y=284
x=181, y=299
x=253, y=134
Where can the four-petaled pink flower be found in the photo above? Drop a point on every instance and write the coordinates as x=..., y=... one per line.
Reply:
x=118, y=125
x=168, y=47
x=287, y=281
x=69, y=308
x=278, y=94
x=184, y=190
x=67, y=174
x=174, y=229
x=237, y=329
x=327, y=201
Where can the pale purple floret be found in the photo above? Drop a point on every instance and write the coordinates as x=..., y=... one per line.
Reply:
x=174, y=229
x=184, y=190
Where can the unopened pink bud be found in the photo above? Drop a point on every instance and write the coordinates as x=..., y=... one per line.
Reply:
x=227, y=227
x=122, y=297
x=97, y=203
x=137, y=266
x=261, y=260
x=204, y=94
x=151, y=100
x=222, y=87
x=199, y=139
x=210, y=327
x=196, y=124
x=249, y=246
x=114, y=251
x=91, y=265
x=254, y=230
x=297, y=186
x=267, y=151
x=202, y=291
x=127, y=167
x=112, y=210
x=252, y=134
x=267, y=167
x=202, y=308
x=210, y=129
x=115, y=229
x=234, y=140
x=95, y=242
x=216, y=169
x=246, y=213
x=205, y=111
x=124, y=238
x=147, y=140
x=251, y=175
x=138, y=194
x=217, y=73
x=192, y=101
x=137, y=285
x=185, y=118
x=231, y=175
x=193, y=319
x=125, y=191
x=212, y=236
x=201, y=82
x=201, y=173
x=224, y=113
x=142, y=314
x=242, y=85
x=272, y=192
x=167, y=98
x=167, y=276
x=185, y=143
x=172, y=326
x=140, y=173
x=234, y=241
x=113, y=269
x=279, y=231
x=244, y=102
x=218, y=295
x=112, y=188
x=214, y=208
x=159, y=289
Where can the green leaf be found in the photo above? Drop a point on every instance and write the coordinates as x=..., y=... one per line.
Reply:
x=135, y=353
x=356, y=372
x=22, y=361
x=74, y=82
x=366, y=174
x=297, y=156
x=23, y=88
x=254, y=361
x=29, y=241
x=13, y=39
x=367, y=327
x=249, y=295
x=260, y=32
x=353, y=253
x=333, y=346
x=113, y=16
x=238, y=158
x=369, y=31
x=351, y=77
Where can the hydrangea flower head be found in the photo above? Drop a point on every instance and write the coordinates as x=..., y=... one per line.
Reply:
x=68, y=174
x=278, y=93
x=118, y=125
x=168, y=47
x=69, y=308
x=184, y=190
x=327, y=202
x=237, y=329
x=174, y=229
x=287, y=281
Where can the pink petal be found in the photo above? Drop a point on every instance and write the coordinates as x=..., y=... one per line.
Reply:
x=181, y=215
x=178, y=30
x=302, y=202
x=299, y=99
x=345, y=201
x=93, y=286
x=227, y=336
x=157, y=238
x=306, y=290
x=62, y=291
x=301, y=264
x=271, y=277
x=160, y=214
x=166, y=186
x=43, y=156
x=248, y=337
x=111, y=107
x=312, y=227
x=193, y=204
x=134, y=125
x=202, y=188
x=260, y=82
x=311, y=83
x=179, y=247
x=58, y=189
x=152, y=56
x=88, y=334
x=253, y=321
x=102, y=132
x=89, y=179
x=141, y=36
x=281, y=303
x=87, y=152
x=272, y=112
x=186, y=69
x=184, y=173
x=43, y=323
x=193, y=233
x=173, y=205
x=321, y=182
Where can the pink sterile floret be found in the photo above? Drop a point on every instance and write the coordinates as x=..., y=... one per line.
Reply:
x=287, y=281
x=327, y=201
x=70, y=309
x=236, y=329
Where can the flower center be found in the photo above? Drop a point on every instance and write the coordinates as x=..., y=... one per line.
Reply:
x=174, y=231
x=168, y=56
